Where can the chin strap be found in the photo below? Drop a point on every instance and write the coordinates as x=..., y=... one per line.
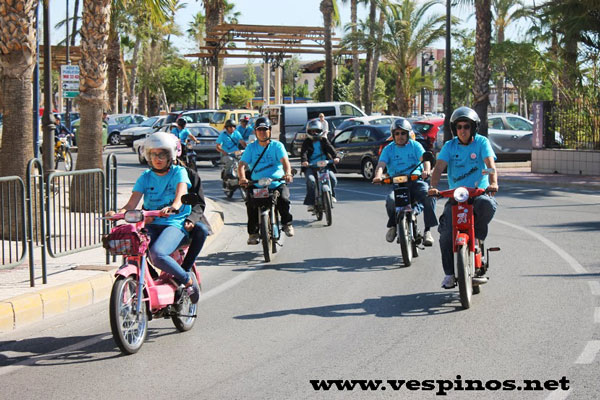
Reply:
x=165, y=169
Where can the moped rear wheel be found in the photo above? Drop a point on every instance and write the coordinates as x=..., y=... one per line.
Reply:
x=404, y=232
x=185, y=318
x=265, y=224
x=129, y=329
x=327, y=207
x=464, y=272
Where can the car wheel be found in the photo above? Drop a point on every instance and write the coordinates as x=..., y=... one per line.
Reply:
x=368, y=169
x=114, y=138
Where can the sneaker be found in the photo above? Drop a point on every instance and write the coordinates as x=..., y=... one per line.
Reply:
x=428, y=239
x=310, y=209
x=289, y=230
x=391, y=234
x=449, y=282
x=194, y=292
x=333, y=200
x=253, y=238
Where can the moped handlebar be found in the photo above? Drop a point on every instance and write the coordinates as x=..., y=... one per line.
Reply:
x=398, y=179
x=321, y=164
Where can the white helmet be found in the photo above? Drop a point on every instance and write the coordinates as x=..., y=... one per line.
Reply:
x=161, y=140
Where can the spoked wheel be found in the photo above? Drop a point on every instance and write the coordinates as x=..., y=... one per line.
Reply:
x=327, y=207
x=129, y=329
x=404, y=232
x=464, y=272
x=68, y=159
x=415, y=235
x=275, y=233
x=185, y=318
x=265, y=226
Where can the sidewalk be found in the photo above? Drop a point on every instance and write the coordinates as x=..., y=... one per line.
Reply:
x=74, y=281
x=82, y=279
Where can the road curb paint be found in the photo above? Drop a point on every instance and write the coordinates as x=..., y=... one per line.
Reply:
x=27, y=308
x=101, y=287
x=80, y=294
x=55, y=301
x=7, y=317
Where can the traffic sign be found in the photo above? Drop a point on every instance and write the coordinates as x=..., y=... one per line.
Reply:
x=72, y=86
x=70, y=80
x=70, y=95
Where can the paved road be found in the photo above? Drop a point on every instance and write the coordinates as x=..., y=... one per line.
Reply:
x=336, y=304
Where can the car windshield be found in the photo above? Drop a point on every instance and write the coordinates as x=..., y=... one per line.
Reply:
x=218, y=118
x=421, y=128
x=204, y=131
x=348, y=123
x=149, y=121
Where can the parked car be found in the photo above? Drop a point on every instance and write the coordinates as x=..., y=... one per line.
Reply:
x=219, y=117
x=75, y=128
x=152, y=124
x=206, y=150
x=368, y=120
x=300, y=136
x=201, y=116
x=119, y=122
x=361, y=145
x=427, y=129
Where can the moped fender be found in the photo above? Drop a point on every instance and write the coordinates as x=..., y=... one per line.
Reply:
x=325, y=188
x=461, y=239
x=126, y=270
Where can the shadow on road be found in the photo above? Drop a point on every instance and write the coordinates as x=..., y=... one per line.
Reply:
x=412, y=305
x=340, y=264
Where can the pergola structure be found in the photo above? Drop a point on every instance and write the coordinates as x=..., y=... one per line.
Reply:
x=271, y=43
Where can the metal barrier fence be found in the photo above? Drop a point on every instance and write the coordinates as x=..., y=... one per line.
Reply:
x=12, y=221
x=578, y=122
x=59, y=215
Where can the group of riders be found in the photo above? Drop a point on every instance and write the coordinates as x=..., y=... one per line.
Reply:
x=168, y=179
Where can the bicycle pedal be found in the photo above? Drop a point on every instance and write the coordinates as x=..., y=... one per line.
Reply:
x=480, y=280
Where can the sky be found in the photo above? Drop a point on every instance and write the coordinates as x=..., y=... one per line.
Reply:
x=277, y=12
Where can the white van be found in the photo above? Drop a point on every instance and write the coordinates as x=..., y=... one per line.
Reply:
x=287, y=119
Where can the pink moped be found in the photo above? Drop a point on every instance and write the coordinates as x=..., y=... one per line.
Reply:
x=139, y=294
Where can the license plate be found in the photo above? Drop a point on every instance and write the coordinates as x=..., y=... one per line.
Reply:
x=261, y=193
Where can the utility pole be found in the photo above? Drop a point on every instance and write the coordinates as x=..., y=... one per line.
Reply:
x=447, y=89
x=48, y=118
x=68, y=61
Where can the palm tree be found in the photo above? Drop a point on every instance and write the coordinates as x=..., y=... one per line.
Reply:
x=502, y=18
x=355, y=58
x=330, y=17
x=483, y=45
x=17, y=60
x=407, y=33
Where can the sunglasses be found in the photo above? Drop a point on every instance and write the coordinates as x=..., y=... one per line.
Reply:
x=463, y=126
x=160, y=156
x=403, y=133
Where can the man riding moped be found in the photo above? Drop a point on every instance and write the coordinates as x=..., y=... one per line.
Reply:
x=466, y=156
x=400, y=157
x=316, y=147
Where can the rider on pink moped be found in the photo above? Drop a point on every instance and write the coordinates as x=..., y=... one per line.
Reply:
x=161, y=187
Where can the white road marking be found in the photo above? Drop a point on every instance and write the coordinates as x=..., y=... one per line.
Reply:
x=594, y=287
x=361, y=192
x=559, y=395
x=589, y=353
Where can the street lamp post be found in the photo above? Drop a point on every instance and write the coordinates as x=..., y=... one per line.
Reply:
x=426, y=59
x=448, y=83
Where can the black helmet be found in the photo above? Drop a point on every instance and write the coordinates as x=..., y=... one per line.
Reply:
x=464, y=114
x=181, y=122
x=262, y=122
x=401, y=123
x=229, y=123
x=314, y=129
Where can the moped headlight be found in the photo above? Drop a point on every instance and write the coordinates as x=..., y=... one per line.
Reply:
x=134, y=216
x=321, y=164
x=264, y=181
x=400, y=179
x=461, y=194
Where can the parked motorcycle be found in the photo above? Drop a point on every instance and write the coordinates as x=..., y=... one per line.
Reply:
x=139, y=294
x=229, y=175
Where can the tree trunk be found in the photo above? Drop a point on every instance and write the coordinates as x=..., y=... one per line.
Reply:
x=500, y=81
x=113, y=59
x=134, y=61
x=481, y=85
x=367, y=101
x=75, y=18
x=142, y=102
x=214, y=12
x=327, y=10
x=402, y=97
x=355, y=59
x=376, y=56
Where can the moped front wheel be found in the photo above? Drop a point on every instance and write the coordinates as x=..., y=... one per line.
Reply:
x=265, y=238
x=243, y=193
x=275, y=231
x=404, y=232
x=464, y=272
x=327, y=207
x=129, y=329
x=185, y=318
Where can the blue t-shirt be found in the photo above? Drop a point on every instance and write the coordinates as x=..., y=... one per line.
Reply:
x=269, y=165
x=181, y=134
x=400, y=160
x=465, y=163
x=229, y=143
x=317, y=154
x=159, y=192
x=245, y=132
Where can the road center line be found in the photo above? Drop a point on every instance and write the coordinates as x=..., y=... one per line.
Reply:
x=337, y=188
x=559, y=395
x=589, y=353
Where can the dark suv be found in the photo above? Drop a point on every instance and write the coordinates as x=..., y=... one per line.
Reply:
x=361, y=145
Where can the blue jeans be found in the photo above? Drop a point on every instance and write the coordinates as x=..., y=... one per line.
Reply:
x=311, y=181
x=418, y=193
x=198, y=236
x=164, y=239
x=484, y=208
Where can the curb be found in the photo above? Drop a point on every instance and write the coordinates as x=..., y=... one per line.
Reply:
x=551, y=184
x=25, y=309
